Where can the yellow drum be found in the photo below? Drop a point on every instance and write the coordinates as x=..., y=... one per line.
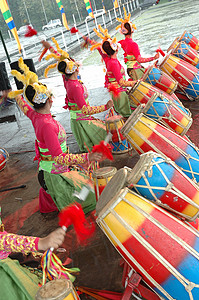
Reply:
x=101, y=177
x=58, y=289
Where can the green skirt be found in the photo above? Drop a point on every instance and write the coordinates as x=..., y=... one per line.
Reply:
x=88, y=133
x=122, y=105
x=135, y=74
x=61, y=187
x=16, y=281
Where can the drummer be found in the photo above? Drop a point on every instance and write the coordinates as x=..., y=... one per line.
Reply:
x=55, y=163
x=115, y=76
x=132, y=56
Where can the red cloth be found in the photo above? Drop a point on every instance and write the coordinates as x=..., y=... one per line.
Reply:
x=130, y=47
x=46, y=203
x=76, y=92
x=46, y=131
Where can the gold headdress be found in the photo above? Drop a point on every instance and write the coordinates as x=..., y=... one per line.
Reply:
x=70, y=65
x=105, y=36
x=124, y=21
x=30, y=81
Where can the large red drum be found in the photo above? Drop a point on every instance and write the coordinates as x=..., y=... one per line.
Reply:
x=157, y=245
x=160, y=180
x=186, y=74
x=190, y=39
x=154, y=76
x=145, y=134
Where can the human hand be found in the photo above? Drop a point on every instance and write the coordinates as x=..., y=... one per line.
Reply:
x=46, y=44
x=156, y=56
x=109, y=104
x=95, y=156
x=53, y=240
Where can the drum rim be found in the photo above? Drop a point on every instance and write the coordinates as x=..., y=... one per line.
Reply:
x=134, y=117
x=104, y=172
x=113, y=189
x=180, y=38
x=69, y=288
x=116, y=118
x=148, y=70
x=145, y=159
x=170, y=49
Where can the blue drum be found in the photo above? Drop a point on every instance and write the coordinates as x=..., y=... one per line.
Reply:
x=187, y=53
x=156, y=77
x=170, y=113
x=118, y=142
x=190, y=39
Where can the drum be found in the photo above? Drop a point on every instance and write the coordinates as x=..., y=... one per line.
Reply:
x=118, y=142
x=159, y=179
x=4, y=155
x=157, y=245
x=101, y=177
x=168, y=112
x=187, y=53
x=186, y=74
x=145, y=134
x=190, y=39
x=154, y=76
x=142, y=92
x=57, y=289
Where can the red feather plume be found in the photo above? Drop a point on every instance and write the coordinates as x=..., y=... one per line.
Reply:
x=73, y=30
x=30, y=31
x=74, y=215
x=113, y=89
x=103, y=148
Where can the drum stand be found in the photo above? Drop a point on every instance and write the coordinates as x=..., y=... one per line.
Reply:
x=131, y=281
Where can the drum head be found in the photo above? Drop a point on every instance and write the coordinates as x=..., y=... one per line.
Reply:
x=147, y=71
x=54, y=289
x=131, y=120
x=104, y=172
x=112, y=189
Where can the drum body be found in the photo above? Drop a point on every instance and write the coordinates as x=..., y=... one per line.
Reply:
x=187, y=53
x=57, y=289
x=154, y=243
x=161, y=180
x=145, y=134
x=154, y=76
x=101, y=177
x=142, y=92
x=190, y=39
x=169, y=112
x=3, y=158
x=118, y=142
x=186, y=74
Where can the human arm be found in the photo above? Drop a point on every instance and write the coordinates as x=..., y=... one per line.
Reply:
x=10, y=242
x=50, y=137
x=77, y=93
x=48, y=46
x=116, y=70
x=25, y=108
x=141, y=59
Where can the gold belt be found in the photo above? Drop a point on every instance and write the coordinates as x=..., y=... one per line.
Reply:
x=74, y=108
x=46, y=158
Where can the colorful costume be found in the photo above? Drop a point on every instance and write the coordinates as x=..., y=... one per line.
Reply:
x=51, y=149
x=115, y=75
x=132, y=57
x=87, y=130
x=16, y=281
